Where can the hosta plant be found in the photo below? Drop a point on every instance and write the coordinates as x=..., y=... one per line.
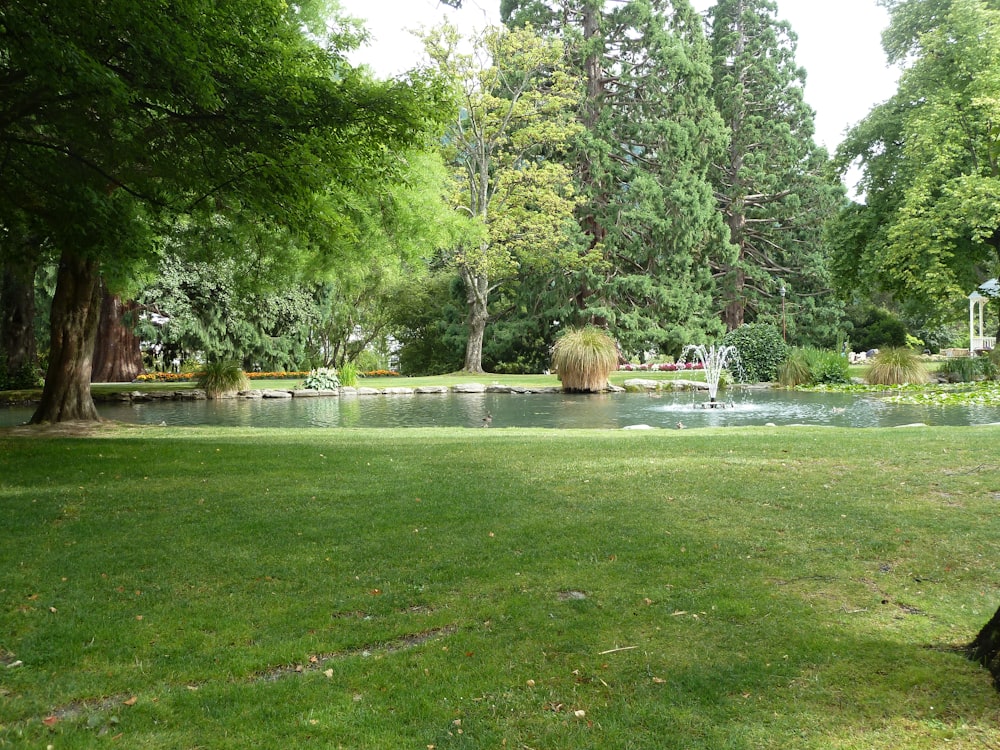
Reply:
x=322, y=379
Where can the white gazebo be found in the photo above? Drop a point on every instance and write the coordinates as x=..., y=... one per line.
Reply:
x=978, y=341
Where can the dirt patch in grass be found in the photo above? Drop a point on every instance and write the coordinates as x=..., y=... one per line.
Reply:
x=79, y=428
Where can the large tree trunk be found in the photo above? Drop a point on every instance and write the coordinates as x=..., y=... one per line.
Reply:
x=985, y=649
x=17, y=316
x=76, y=311
x=117, y=355
x=733, y=314
x=477, y=291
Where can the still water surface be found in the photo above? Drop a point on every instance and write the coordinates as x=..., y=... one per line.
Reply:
x=559, y=411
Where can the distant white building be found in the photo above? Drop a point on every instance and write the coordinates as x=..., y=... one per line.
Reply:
x=978, y=341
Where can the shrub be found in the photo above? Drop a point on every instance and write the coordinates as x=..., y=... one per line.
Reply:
x=348, y=374
x=762, y=351
x=896, y=366
x=222, y=378
x=967, y=369
x=23, y=378
x=583, y=358
x=811, y=366
x=321, y=379
x=367, y=360
x=878, y=328
x=829, y=368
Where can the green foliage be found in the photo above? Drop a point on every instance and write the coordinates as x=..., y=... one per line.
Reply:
x=368, y=361
x=795, y=370
x=930, y=220
x=583, y=358
x=830, y=367
x=220, y=309
x=652, y=134
x=896, y=366
x=348, y=374
x=876, y=328
x=427, y=319
x=812, y=366
x=26, y=377
x=323, y=379
x=514, y=115
x=177, y=90
x=967, y=369
x=221, y=378
x=771, y=182
x=761, y=350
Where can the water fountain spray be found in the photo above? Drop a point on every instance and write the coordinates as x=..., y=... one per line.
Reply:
x=713, y=361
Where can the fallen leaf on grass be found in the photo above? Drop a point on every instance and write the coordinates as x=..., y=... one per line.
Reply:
x=50, y=721
x=131, y=701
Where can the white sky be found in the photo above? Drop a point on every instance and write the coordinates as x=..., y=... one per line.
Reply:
x=839, y=46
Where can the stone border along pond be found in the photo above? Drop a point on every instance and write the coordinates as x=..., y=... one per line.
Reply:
x=196, y=394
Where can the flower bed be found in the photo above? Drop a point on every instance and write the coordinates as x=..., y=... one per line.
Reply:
x=661, y=367
x=187, y=377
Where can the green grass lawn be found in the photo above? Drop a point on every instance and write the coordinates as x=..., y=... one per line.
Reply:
x=735, y=588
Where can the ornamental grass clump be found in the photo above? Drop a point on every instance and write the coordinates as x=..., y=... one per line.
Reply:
x=222, y=378
x=583, y=358
x=795, y=370
x=348, y=374
x=896, y=366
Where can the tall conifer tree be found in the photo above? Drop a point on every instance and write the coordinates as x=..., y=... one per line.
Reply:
x=651, y=134
x=769, y=183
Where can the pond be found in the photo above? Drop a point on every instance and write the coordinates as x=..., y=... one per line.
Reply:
x=549, y=410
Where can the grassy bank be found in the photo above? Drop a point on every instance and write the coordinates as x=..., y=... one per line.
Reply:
x=802, y=588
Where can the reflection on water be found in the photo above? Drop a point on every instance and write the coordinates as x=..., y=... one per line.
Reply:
x=561, y=411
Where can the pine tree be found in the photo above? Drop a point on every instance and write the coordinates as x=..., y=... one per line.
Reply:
x=651, y=134
x=769, y=184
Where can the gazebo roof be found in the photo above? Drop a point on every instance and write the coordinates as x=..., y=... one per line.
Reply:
x=990, y=288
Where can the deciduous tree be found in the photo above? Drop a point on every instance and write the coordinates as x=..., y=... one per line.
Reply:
x=515, y=116
x=117, y=116
x=929, y=230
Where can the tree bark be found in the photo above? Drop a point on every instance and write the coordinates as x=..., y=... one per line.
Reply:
x=117, y=355
x=985, y=649
x=76, y=311
x=733, y=314
x=17, y=316
x=477, y=290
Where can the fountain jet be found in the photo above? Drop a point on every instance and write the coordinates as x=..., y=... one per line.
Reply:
x=713, y=361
